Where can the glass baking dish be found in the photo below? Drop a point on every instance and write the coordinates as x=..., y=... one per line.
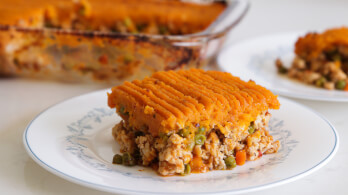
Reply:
x=88, y=56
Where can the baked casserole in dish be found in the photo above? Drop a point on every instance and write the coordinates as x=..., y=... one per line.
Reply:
x=110, y=40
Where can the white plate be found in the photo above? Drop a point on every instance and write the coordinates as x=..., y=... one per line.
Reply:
x=254, y=59
x=73, y=140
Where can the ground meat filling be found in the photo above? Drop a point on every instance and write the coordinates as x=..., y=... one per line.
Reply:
x=145, y=145
x=183, y=152
x=124, y=137
x=329, y=70
x=174, y=156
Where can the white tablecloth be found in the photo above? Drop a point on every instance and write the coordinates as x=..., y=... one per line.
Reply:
x=21, y=100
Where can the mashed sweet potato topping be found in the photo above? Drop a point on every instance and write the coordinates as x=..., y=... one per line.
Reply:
x=312, y=45
x=168, y=101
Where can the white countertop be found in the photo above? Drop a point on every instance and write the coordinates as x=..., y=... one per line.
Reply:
x=21, y=100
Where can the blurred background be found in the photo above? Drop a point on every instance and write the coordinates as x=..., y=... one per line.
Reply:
x=21, y=99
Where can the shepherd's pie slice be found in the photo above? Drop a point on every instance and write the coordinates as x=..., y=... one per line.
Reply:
x=192, y=121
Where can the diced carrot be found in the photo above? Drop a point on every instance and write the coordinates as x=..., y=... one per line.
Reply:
x=197, y=165
x=240, y=157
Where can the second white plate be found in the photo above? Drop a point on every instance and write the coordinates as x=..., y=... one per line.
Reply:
x=73, y=140
x=254, y=59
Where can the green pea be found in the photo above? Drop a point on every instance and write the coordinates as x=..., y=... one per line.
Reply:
x=163, y=136
x=114, y=29
x=340, y=84
x=187, y=169
x=181, y=133
x=251, y=128
x=117, y=159
x=184, y=132
x=190, y=146
x=230, y=162
x=49, y=24
x=331, y=53
x=200, y=139
x=16, y=61
x=140, y=27
x=320, y=82
x=123, y=111
x=128, y=159
x=336, y=57
x=144, y=128
x=128, y=22
x=82, y=11
x=163, y=30
x=282, y=70
x=137, y=155
x=128, y=58
x=201, y=130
